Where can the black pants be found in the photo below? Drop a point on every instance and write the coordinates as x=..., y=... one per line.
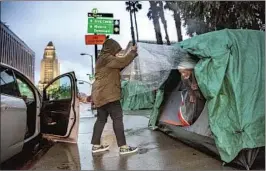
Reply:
x=116, y=113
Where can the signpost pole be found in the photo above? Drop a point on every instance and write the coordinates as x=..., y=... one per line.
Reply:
x=96, y=50
x=95, y=11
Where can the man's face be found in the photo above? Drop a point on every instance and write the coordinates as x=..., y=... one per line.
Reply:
x=185, y=73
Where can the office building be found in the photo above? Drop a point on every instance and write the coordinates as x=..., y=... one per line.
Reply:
x=15, y=52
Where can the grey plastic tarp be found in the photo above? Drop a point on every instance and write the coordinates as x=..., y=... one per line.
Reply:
x=152, y=66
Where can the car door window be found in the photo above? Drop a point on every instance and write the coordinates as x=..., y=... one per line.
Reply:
x=25, y=91
x=8, y=84
x=59, y=89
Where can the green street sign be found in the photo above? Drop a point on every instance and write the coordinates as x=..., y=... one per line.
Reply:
x=103, y=26
x=93, y=21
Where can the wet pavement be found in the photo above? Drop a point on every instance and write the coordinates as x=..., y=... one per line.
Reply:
x=157, y=151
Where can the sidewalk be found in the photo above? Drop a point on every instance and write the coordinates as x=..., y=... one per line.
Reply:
x=157, y=151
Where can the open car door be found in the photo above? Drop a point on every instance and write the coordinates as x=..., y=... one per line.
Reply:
x=60, y=109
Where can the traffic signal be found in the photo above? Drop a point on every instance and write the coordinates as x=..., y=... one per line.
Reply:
x=116, y=26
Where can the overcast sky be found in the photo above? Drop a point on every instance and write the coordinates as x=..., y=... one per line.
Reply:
x=65, y=24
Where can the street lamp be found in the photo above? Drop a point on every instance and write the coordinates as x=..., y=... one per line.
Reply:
x=82, y=82
x=92, y=67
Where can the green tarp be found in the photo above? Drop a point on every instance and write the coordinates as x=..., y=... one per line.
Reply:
x=231, y=76
x=134, y=96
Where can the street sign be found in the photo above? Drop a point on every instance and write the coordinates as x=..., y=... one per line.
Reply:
x=100, y=15
x=94, y=39
x=94, y=13
x=100, y=26
x=103, y=26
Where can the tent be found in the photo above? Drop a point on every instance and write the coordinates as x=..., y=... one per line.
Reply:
x=230, y=75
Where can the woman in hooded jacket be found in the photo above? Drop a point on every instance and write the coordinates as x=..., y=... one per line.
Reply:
x=106, y=95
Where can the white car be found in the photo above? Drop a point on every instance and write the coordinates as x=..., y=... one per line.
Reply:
x=26, y=115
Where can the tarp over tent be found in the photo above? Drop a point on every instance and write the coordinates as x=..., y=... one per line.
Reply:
x=132, y=100
x=230, y=74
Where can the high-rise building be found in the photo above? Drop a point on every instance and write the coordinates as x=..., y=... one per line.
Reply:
x=49, y=66
x=15, y=52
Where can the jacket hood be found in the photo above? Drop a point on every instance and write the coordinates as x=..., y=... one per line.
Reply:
x=111, y=46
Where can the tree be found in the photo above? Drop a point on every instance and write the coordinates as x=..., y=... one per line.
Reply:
x=161, y=14
x=174, y=6
x=153, y=14
x=59, y=92
x=204, y=16
x=135, y=7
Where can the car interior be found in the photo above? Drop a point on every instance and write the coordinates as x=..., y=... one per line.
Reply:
x=57, y=98
x=27, y=94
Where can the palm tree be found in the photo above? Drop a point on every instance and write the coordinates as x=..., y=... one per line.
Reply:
x=161, y=14
x=174, y=6
x=135, y=7
x=153, y=14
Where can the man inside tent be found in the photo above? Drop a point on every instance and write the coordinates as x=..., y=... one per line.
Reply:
x=194, y=102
